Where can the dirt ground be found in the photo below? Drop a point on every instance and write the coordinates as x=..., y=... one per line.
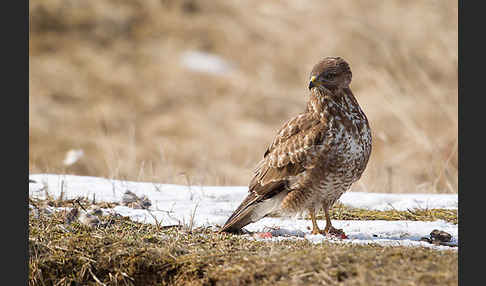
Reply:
x=107, y=77
x=122, y=252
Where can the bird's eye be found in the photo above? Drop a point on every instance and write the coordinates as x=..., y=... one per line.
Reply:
x=329, y=76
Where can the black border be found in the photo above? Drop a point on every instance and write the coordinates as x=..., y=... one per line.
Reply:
x=471, y=114
x=15, y=141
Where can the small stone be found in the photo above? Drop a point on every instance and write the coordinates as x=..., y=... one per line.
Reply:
x=72, y=216
x=440, y=236
x=145, y=202
x=130, y=199
x=88, y=219
x=286, y=233
x=96, y=211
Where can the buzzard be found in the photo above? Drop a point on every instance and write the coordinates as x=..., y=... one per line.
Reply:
x=315, y=157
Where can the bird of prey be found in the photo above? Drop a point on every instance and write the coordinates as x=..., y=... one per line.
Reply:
x=315, y=156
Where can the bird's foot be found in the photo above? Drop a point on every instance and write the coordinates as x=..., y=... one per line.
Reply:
x=317, y=231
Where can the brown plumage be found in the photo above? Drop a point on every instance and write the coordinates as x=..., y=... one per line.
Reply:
x=315, y=157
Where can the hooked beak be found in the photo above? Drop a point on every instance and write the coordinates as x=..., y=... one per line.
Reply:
x=312, y=82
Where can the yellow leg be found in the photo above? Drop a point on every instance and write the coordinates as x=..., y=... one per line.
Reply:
x=315, y=227
x=329, y=229
x=328, y=219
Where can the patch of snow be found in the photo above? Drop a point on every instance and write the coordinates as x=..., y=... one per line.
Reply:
x=72, y=156
x=212, y=205
x=390, y=233
x=205, y=62
x=383, y=201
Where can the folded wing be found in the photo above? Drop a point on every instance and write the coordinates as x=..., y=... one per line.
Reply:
x=288, y=157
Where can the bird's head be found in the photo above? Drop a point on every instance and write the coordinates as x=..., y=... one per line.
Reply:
x=331, y=73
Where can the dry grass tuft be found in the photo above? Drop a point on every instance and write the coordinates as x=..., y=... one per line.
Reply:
x=128, y=253
x=106, y=77
x=342, y=212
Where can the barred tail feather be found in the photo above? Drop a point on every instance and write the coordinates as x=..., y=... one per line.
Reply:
x=242, y=216
x=254, y=208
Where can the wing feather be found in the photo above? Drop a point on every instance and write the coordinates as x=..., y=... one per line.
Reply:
x=286, y=156
x=284, y=159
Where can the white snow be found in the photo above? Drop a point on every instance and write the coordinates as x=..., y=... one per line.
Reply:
x=205, y=62
x=72, y=156
x=212, y=205
x=381, y=201
x=391, y=233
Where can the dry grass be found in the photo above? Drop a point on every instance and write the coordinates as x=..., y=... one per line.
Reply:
x=127, y=253
x=341, y=212
x=105, y=77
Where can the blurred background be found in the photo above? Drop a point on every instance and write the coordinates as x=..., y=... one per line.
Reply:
x=192, y=92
